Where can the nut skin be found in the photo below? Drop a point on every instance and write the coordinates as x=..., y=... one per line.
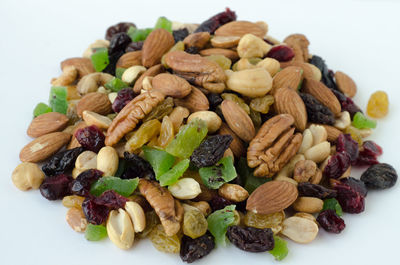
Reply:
x=171, y=85
x=238, y=120
x=212, y=120
x=345, y=84
x=308, y=204
x=299, y=43
x=47, y=123
x=290, y=77
x=323, y=94
x=27, y=176
x=332, y=133
x=198, y=40
x=232, y=55
x=151, y=72
x=250, y=82
x=96, y=102
x=130, y=59
x=155, y=46
x=195, y=101
x=84, y=66
x=237, y=145
x=240, y=28
x=233, y=192
x=93, y=118
x=107, y=161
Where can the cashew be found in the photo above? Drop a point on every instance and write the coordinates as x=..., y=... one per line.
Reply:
x=300, y=230
x=68, y=76
x=288, y=169
x=120, y=229
x=212, y=120
x=319, y=152
x=137, y=215
x=76, y=219
x=112, y=96
x=146, y=83
x=308, y=204
x=244, y=64
x=97, y=44
x=307, y=141
x=343, y=121
x=319, y=133
x=233, y=192
x=107, y=161
x=27, y=176
x=251, y=82
x=271, y=65
x=93, y=118
x=92, y=82
x=177, y=116
x=184, y=189
x=252, y=46
x=132, y=73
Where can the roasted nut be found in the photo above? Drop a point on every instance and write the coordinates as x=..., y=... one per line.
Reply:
x=27, y=176
x=132, y=73
x=177, y=116
x=252, y=46
x=300, y=230
x=96, y=102
x=195, y=101
x=120, y=229
x=74, y=142
x=307, y=141
x=236, y=146
x=319, y=134
x=233, y=192
x=202, y=206
x=151, y=72
x=290, y=77
x=283, y=178
x=107, y=161
x=86, y=160
x=307, y=171
x=129, y=59
x=47, y=123
x=91, y=82
x=76, y=219
x=308, y=204
x=228, y=152
x=238, y=120
x=212, y=120
x=185, y=189
x=287, y=170
x=271, y=65
x=225, y=41
x=240, y=28
x=345, y=84
x=306, y=216
x=171, y=85
x=198, y=40
x=251, y=83
x=230, y=54
x=343, y=121
x=147, y=83
x=323, y=94
x=299, y=44
x=155, y=46
x=137, y=215
x=332, y=132
x=97, y=44
x=73, y=69
x=243, y=64
x=318, y=152
x=92, y=118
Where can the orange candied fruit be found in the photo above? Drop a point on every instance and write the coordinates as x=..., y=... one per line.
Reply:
x=378, y=105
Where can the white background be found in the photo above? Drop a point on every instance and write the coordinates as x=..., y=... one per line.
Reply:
x=359, y=38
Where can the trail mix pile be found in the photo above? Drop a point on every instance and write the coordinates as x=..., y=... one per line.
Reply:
x=199, y=135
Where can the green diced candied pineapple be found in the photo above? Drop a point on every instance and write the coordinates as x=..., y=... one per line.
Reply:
x=95, y=232
x=163, y=23
x=362, y=122
x=280, y=250
x=215, y=176
x=41, y=108
x=58, y=99
x=124, y=187
x=100, y=59
x=172, y=175
x=160, y=160
x=219, y=221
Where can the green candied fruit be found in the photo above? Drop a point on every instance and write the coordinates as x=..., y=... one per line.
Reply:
x=332, y=204
x=172, y=175
x=280, y=250
x=122, y=165
x=163, y=23
x=215, y=176
x=188, y=138
x=138, y=34
x=219, y=221
x=124, y=187
x=119, y=72
x=41, y=108
x=95, y=232
x=362, y=122
x=100, y=59
x=246, y=175
x=160, y=160
x=58, y=99
x=116, y=84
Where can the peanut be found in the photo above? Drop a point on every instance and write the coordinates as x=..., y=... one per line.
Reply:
x=233, y=192
x=107, y=160
x=212, y=120
x=343, y=121
x=132, y=73
x=76, y=219
x=120, y=229
x=300, y=230
x=319, y=152
x=308, y=204
x=251, y=82
x=137, y=215
x=185, y=189
x=93, y=118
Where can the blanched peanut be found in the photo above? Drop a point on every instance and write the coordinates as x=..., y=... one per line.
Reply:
x=307, y=141
x=343, y=121
x=27, y=176
x=137, y=215
x=212, y=120
x=76, y=219
x=306, y=216
x=185, y=189
x=308, y=204
x=300, y=230
x=318, y=152
x=107, y=160
x=233, y=192
x=93, y=118
x=120, y=229
x=86, y=160
x=319, y=134
x=252, y=46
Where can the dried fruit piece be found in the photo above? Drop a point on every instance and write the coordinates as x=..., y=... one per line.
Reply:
x=362, y=122
x=124, y=187
x=91, y=138
x=368, y=154
x=250, y=182
x=56, y=187
x=218, y=223
x=73, y=201
x=81, y=185
x=280, y=250
x=211, y=150
x=378, y=105
x=251, y=239
x=215, y=176
x=95, y=232
x=58, y=99
x=61, y=162
x=332, y=204
x=216, y=21
x=261, y=221
x=160, y=160
x=144, y=134
x=162, y=242
x=161, y=110
x=137, y=167
x=350, y=195
x=194, y=224
x=171, y=176
x=194, y=249
x=379, y=176
x=330, y=221
x=282, y=53
x=262, y=104
x=166, y=132
x=41, y=108
x=316, y=112
x=124, y=97
x=314, y=190
x=346, y=144
x=337, y=165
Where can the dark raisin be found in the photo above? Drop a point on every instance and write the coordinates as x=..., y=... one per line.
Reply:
x=137, y=167
x=194, y=249
x=347, y=103
x=95, y=213
x=91, y=138
x=368, y=154
x=120, y=27
x=56, y=187
x=113, y=59
x=346, y=144
x=111, y=199
x=180, y=34
x=327, y=77
x=214, y=100
x=380, y=176
x=218, y=203
x=330, y=221
x=119, y=42
x=337, y=165
x=82, y=184
x=134, y=46
x=316, y=112
x=216, y=21
x=124, y=97
x=282, y=53
x=211, y=150
x=192, y=50
x=314, y=190
x=62, y=161
x=348, y=197
x=251, y=239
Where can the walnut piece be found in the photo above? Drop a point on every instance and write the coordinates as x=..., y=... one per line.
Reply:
x=131, y=114
x=274, y=145
x=299, y=43
x=307, y=171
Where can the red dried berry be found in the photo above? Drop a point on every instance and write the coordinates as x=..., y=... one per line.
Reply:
x=111, y=199
x=95, y=213
x=330, y=221
x=124, y=97
x=346, y=144
x=214, y=22
x=347, y=103
x=348, y=197
x=337, y=165
x=82, y=184
x=91, y=138
x=368, y=154
x=56, y=187
x=282, y=53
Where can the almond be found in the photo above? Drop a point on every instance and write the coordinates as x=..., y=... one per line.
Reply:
x=240, y=28
x=156, y=44
x=288, y=101
x=308, y=72
x=83, y=65
x=233, y=55
x=195, y=101
x=171, y=85
x=47, y=123
x=345, y=84
x=43, y=147
x=271, y=197
x=323, y=94
x=290, y=77
x=238, y=120
x=225, y=41
x=130, y=59
x=152, y=71
x=198, y=40
x=236, y=146
x=96, y=102
x=333, y=133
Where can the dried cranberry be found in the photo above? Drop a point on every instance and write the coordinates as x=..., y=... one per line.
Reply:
x=218, y=203
x=82, y=184
x=282, y=53
x=61, y=162
x=251, y=239
x=216, y=21
x=314, y=190
x=346, y=144
x=56, y=187
x=194, y=249
x=120, y=27
x=357, y=185
x=91, y=138
x=372, y=148
x=337, y=165
x=124, y=97
x=330, y=221
x=380, y=176
x=348, y=197
x=347, y=103
x=95, y=213
x=137, y=167
x=134, y=46
x=111, y=199
x=113, y=59
x=180, y=34
x=368, y=154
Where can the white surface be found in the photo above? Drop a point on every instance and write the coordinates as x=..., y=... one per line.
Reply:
x=360, y=38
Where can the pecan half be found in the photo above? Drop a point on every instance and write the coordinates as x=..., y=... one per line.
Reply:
x=299, y=43
x=274, y=145
x=197, y=70
x=131, y=114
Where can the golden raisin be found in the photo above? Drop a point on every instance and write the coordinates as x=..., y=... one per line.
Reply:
x=221, y=60
x=73, y=201
x=378, y=105
x=152, y=220
x=262, y=104
x=355, y=134
x=166, y=132
x=141, y=136
x=164, y=243
x=261, y=221
x=194, y=224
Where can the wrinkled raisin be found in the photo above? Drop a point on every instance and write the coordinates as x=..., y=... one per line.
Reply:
x=218, y=203
x=137, y=167
x=61, y=162
x=56, y=187
x=119, y=42
x=124, y=96
x=211, y=150
x=348, y=197
x=380, y=176
x=327, y=75
x=251, y=239
x=316, y=112
x=180, y=34
x=347, y=103
x=313, y=190
x=346, y=144
x=337, y=165
x=214, y=100
x=330, y=221
x=134, y=46
x=192, y=50
x=194, y=249
x=282, y=53
x=91, y=138
x=120, y=27
x=216, y=21
x=82, y=184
